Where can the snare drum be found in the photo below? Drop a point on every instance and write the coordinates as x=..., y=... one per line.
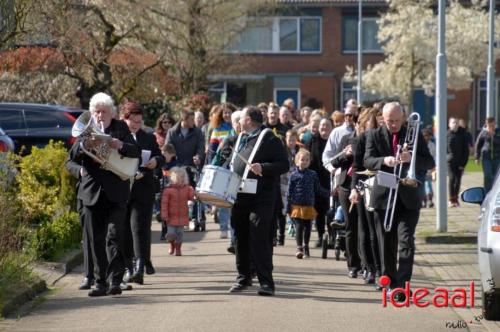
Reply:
x=218, y=186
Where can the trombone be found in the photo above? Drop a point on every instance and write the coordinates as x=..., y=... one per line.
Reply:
x=409, y=145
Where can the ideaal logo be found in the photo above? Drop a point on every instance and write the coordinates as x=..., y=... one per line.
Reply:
x=423, y=297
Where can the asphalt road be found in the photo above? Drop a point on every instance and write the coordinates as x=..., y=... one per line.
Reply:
x=190, y=293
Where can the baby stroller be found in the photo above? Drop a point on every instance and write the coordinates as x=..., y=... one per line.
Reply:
x=196, y=210
x=335, y=237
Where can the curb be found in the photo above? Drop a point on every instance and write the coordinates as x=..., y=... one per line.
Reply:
x=448, y=239
x=49, y=274
x=23, y=296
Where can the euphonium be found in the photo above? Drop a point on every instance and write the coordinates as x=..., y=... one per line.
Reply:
x=409, y=145
x=84, y=128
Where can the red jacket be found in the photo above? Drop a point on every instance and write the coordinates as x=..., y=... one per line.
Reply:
x=174, y=204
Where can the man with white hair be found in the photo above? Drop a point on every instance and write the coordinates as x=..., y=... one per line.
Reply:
x=104, y=195
x=382, y=146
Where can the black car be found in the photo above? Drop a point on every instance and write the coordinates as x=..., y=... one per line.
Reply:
x=36, y=124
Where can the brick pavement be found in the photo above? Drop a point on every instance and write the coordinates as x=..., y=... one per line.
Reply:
x=450, y=259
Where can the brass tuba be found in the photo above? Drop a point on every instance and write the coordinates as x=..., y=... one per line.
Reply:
x=409, y=145
x=85, y=128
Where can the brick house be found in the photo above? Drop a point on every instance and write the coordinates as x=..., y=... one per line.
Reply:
x=302, y=53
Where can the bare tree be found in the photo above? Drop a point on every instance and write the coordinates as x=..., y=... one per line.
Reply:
x=13, y=19
x=192, y=36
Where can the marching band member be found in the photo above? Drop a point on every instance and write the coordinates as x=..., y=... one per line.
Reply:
x=104, y=196
x=381, y=149
x=250, y=215
x=140, y=203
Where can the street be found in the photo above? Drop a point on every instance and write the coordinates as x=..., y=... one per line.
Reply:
x=190, y=293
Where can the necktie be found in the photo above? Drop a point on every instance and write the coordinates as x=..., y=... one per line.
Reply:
x=394, y=143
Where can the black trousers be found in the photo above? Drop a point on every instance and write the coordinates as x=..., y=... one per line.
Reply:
x=368, y=246
x=253, y=238
x=88, y=264
x=455, y=180
x=321, y=206
x=138, y=231
x=351, y=231
x=400, y=239
x=104, y=222
x=303, y=232
x=279, y=223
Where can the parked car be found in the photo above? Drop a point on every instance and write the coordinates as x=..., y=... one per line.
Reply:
x=36, y=124
x=488, y=244
x=6, y=143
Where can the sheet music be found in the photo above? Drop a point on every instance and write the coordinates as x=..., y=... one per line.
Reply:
x=145, y=156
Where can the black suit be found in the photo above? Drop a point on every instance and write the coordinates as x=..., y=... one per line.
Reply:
x=88, y=264
x=407, y=209
x=252, y=214
x=140, y=204
x=343, y=161
x=104, y=196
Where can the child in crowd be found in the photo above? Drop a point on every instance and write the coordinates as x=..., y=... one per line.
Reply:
x=304, y=185
x=174, y=208
x=168, y=151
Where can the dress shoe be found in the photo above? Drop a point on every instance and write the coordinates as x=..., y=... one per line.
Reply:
x=125, y=287
x=114, y=290
x=378, y=287
x=231, y=250
x=370, y=278
x=86, y=284
x=319, y=243
x=281, y=240
x=127, y=275
x=364, y=274
x=98, y=291
x=265, y=290
x=149, y=267
x=353, y=274
x=138, y=276
x=239, y=287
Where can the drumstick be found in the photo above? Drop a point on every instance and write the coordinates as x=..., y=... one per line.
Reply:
x=350, y=207
x=243, y=159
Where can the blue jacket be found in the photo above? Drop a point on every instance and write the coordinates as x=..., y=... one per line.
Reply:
x=302, y=188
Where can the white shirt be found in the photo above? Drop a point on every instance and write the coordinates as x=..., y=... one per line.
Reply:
x=332, y=144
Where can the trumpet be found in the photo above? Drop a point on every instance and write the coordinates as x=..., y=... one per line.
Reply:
x=409, y=145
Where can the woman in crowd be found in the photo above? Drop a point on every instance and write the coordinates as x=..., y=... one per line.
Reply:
x=163, y=124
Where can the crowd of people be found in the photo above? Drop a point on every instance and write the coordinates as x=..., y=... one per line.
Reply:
x=304, y=163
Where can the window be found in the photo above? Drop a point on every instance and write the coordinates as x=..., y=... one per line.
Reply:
x=256, y=37
x=280, y=35
x=349, y=91
x=350, y=35
x=46, y=119
x=11, y=119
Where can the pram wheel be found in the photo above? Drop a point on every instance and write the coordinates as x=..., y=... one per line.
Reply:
x=324, y=246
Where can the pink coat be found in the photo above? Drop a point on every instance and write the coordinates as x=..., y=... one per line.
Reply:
x=174, y=204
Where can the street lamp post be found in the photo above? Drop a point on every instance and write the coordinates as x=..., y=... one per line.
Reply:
x=441, y=111
x=359, y=95
x=490, y=76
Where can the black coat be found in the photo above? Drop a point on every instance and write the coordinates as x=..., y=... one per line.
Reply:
x=96, y=180
x=458, y=147
x=274, y=161
x=316, y=146
x=379, y=146
x=186, y=147
x=358, y=160
x=143, y=190
x=343, y=161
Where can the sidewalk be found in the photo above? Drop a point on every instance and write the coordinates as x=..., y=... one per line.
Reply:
x=450, y=259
